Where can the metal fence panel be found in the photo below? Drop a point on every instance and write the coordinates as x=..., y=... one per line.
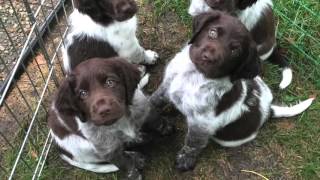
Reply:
x=32, y=32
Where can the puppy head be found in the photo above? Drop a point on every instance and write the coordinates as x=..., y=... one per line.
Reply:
x=221, y=46
x=119, y=10
x=99, y=90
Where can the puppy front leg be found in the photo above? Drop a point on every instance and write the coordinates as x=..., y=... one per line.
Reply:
x=195, y=141
x=130, y=161
x=138, y=54
x=157, y=123
x=159, y=98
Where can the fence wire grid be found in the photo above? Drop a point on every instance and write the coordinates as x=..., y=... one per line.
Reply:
x=32, y=32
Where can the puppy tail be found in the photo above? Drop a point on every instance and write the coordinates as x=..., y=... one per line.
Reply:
x=278, y=59
x=144, y=81
x=286, y=77
x=281, y=111
x=97, y=168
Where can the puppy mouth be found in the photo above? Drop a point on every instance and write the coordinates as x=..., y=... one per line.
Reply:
x=110, y=122
x=206, y=62
x=106, y=122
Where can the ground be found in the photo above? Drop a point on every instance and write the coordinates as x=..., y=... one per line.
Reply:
x=284, y=149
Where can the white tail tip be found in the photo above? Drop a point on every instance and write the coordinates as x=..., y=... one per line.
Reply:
x=144, y=81
x=97, y=168
x=279, y=111
x=286, y=78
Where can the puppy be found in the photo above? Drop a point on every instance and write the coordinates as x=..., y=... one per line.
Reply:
x=213, y=81
x=98, y=109
x=257, y=16
x=104, y=28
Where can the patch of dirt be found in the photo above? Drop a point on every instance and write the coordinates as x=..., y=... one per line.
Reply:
x=285, y=125
x=165, y=35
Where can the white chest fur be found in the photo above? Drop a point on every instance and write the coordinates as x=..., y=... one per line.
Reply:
x=116, y=33
x=196, y=96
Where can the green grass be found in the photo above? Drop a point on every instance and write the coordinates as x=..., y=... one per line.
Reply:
x=285, y=149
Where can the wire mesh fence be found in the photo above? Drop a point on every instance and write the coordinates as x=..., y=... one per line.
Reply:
x=32, y=32
x=298, y=31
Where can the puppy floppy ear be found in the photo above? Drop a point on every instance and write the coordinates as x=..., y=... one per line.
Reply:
x=89, y=7
x=66, y=99
x=131, y=77
x=200, y=21
x=250, y=66
x=243, y=4
x=211, y=3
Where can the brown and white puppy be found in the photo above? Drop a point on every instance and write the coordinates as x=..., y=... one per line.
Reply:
x=97, y=110
x=214, y=83
x=104, y=28
x=257, y=16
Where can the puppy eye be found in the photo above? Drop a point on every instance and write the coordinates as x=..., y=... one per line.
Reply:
x=235, y=48
x=110, y=83
x=213, y=33
x=83, y=93
x=235, y=51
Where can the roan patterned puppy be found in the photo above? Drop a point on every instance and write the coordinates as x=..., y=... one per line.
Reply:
x=104, y=28
x=98, y=110
x=213, y=81
x=257, y=16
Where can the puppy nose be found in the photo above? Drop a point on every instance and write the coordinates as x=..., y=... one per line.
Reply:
x=207, y=54
x=103, y=106
x=124, y=7
x=104, y=110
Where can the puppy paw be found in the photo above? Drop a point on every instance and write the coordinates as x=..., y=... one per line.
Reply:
x=142, y=70
x=186, y=160
x=137, y=158
x=142, y=139
x=157, y=100
x=151, y=57
x=144, y=81
x=167, y=127
x=134, y=174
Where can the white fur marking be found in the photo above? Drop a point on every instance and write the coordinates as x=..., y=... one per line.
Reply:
x=279, y=111
x=54, y=109
x=151, y=57
x=286, y=78
x=235, y=143
x=266, y=55
x=197, y=7
x=251, y=15
x=144, y=81
x=98, y=168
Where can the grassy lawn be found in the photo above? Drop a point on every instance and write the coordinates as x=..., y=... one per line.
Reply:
x=285, y=148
